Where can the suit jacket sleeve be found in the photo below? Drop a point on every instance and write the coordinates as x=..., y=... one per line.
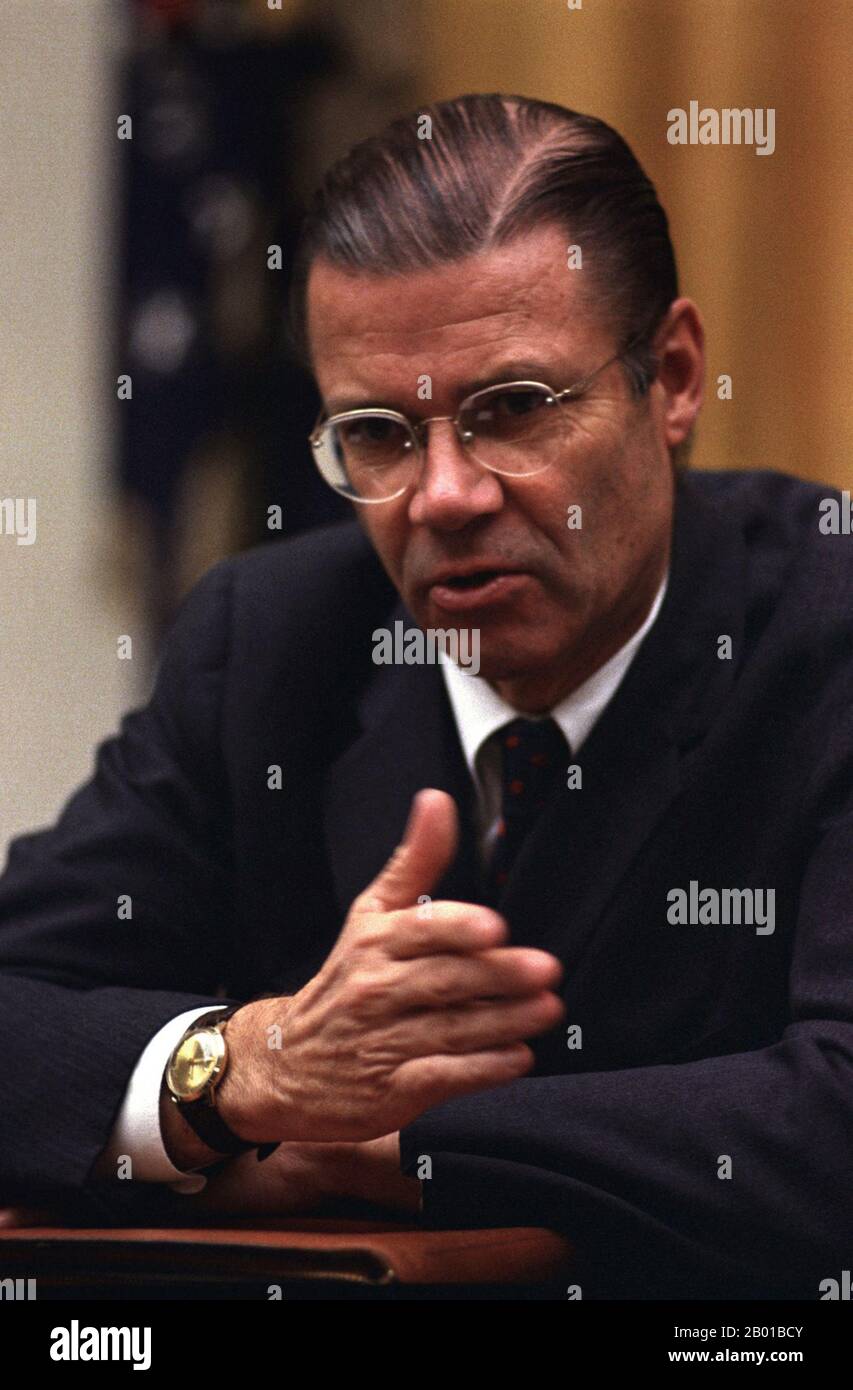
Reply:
x=84, y=984
x=626, y=1162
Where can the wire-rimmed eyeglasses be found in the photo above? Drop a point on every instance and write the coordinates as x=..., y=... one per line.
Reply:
x=514, y=428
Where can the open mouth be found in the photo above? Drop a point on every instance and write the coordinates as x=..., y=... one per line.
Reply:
x=473, y=581
x=480, y=589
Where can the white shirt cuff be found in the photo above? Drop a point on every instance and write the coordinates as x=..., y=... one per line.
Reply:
x=136, y=1133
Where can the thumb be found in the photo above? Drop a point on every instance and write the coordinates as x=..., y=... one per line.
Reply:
x=423, y=856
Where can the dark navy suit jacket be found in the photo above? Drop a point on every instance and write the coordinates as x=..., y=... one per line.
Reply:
x=700, y=1043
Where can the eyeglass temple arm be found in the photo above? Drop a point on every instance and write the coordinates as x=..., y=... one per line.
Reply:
x=579, y=386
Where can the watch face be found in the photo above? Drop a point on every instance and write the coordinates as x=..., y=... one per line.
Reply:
x=195, y=1063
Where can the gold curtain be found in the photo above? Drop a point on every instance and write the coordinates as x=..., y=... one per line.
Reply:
x=763, y=241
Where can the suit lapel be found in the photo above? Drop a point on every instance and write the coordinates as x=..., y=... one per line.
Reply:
x=408, y=741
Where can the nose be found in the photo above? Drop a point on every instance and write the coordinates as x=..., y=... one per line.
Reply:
x=452, y=489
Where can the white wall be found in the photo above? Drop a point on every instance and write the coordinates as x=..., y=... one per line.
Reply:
x=62, y=687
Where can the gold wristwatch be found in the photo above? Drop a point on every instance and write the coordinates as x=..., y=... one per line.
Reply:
x=193, y=1072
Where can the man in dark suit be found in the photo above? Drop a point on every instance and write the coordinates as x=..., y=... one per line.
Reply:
x=598, y=976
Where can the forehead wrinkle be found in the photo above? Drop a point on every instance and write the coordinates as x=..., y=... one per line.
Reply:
x=509, y=272
x=359, y=338
x=355, y=376
x=395, y=382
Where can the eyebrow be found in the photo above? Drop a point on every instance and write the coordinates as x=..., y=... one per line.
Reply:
x=516, y=370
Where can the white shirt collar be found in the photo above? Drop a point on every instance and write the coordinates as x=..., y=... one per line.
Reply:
x=480, y=711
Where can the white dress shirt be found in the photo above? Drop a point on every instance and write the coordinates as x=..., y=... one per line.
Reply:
x=479, y=712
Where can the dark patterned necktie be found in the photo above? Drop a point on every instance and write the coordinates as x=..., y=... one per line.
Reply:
x=534, y=759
